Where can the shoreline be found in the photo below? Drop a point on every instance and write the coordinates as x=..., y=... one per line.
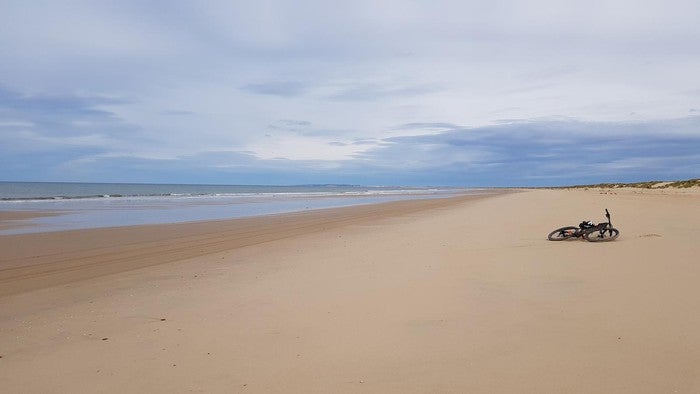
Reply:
x=36, y=260
x=75, y=214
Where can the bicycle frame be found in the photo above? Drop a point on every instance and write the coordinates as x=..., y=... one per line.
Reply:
x=602, y=227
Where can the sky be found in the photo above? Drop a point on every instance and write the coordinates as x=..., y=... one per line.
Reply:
x=462, y=93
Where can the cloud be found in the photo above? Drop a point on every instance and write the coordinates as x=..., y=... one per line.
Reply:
x=354, y=92
x=530, y=152
x=82, y=137
x=371, y=92
x=428, y=126
x=527, y=153
x=179, y=112
x=286, y=128
x=277, y=88
x=66, y=106
x=294, y=123
x=290, y=125
x=51, y=122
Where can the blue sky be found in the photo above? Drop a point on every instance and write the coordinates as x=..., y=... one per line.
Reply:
x=468, y=93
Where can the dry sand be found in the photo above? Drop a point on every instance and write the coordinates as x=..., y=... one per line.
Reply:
x=451, y=296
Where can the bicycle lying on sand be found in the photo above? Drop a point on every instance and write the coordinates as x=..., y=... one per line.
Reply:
x=590, y=232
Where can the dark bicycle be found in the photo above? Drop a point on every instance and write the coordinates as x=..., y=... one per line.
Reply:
x=588, y=230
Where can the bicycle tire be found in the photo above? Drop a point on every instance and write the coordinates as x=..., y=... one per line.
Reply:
x=609, y=234
x=561, y=234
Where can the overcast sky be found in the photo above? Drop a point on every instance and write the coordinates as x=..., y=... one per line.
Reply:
x=472, y=93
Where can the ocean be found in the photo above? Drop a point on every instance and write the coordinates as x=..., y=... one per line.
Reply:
x=92, y=205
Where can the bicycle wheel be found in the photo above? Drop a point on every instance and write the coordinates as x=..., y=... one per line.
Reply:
x=561, y=234
x=608, y=234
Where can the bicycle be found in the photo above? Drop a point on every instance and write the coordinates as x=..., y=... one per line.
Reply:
x=600, y=232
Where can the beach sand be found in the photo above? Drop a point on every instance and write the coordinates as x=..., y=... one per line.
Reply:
x=455, y=295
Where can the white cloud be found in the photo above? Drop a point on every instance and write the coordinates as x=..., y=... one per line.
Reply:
x=38, y=141
x=295, y=147
x=194, y=78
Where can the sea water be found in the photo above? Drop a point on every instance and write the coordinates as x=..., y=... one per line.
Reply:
x=92, y=205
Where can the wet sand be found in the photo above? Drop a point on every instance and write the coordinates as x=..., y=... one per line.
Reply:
x=16, y=219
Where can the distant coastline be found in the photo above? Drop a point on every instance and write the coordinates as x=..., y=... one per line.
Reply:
x=684, y=184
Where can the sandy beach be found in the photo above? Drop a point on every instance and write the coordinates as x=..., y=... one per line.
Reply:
x=460, y=295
